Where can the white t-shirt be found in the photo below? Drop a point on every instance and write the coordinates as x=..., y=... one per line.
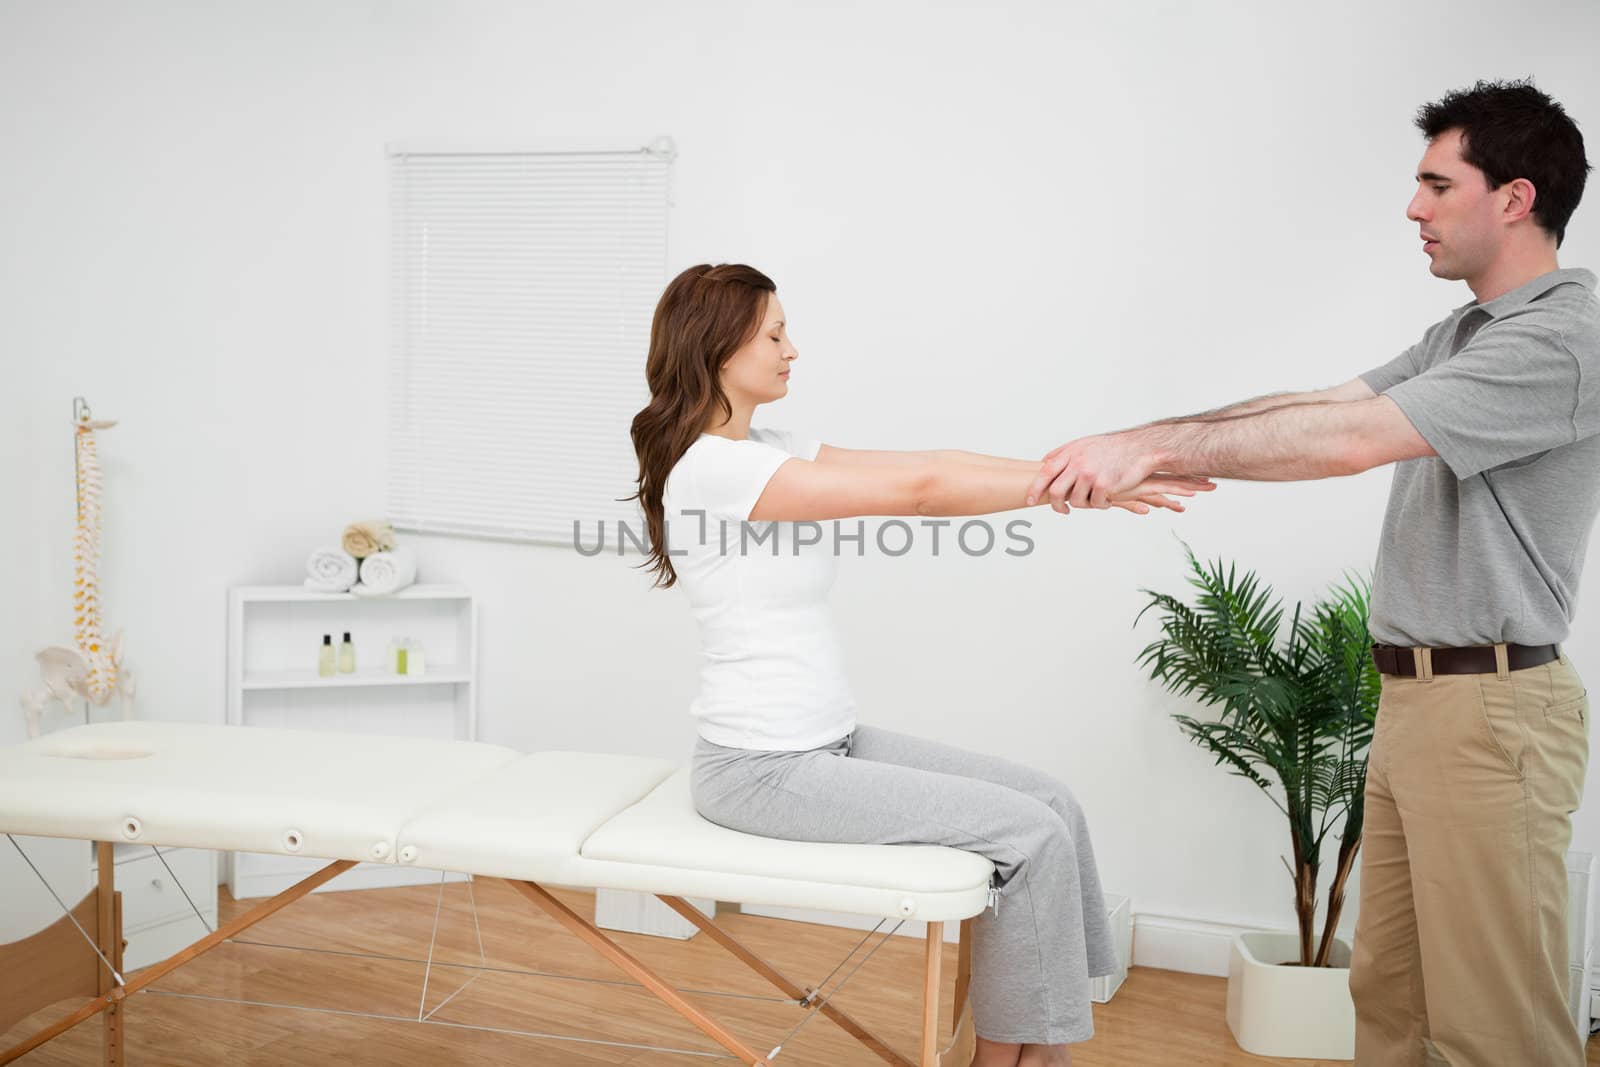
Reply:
x=773, y=676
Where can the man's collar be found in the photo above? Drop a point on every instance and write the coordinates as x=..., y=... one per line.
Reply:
x=1528, y=292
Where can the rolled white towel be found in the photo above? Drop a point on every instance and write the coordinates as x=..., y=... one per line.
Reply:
x=331, y=570
x=383, y=573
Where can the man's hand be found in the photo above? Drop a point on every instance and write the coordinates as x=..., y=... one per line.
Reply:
x=1101, y=472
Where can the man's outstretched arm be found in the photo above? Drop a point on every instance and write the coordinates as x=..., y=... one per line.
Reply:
x=1288, y=442
x=1354, y=389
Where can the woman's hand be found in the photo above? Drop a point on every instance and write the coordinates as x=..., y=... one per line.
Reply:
x=1158, y=490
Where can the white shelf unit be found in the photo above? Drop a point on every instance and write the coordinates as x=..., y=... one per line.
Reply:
x=274, y=633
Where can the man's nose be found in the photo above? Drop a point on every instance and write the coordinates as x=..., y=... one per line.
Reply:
x=1415, y=211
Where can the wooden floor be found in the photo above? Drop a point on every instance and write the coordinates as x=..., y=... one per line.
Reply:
x=1158, y=1018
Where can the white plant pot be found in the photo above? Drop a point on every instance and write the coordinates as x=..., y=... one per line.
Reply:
x=1296, y=1012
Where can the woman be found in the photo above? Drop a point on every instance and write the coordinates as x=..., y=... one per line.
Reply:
x=780, y=752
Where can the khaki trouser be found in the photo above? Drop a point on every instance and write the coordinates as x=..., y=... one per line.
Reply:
x=1461, y=943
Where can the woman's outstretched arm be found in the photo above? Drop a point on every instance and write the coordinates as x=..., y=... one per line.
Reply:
x=877, y=457
x=843, y=483
x=1140, y=504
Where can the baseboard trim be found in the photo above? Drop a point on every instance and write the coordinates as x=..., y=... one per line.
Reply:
x=1177, y=943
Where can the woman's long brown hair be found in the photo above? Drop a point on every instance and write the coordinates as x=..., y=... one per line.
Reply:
x=706, y=314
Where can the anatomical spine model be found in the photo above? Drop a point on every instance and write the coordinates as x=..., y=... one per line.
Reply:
x=92, y=670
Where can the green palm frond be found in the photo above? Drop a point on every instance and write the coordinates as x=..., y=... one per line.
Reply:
x=1295, y=694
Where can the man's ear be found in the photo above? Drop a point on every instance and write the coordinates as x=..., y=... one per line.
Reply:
x=1520, y=196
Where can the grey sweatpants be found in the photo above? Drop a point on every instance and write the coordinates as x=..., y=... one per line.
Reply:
x=1034, y=953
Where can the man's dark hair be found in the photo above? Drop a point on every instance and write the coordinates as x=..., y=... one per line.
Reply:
x=1511, y=130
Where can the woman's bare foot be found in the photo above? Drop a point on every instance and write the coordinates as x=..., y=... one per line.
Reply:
x=996, y=1054
x=1045, y=1056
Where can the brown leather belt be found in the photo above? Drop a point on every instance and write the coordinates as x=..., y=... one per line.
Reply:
x=1398, y=660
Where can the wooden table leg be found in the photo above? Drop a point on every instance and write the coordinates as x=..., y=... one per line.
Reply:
x=108, y=936
x=963, y=968
x=963, y=1035
x=934, y=956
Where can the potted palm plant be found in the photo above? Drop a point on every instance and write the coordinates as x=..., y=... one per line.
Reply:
x=1295, y=703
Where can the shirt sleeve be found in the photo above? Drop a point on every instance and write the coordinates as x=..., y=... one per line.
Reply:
x=1408, y=364
x=730, y=477
x=796, y=445
x=1511, y=392
x=1399, y=369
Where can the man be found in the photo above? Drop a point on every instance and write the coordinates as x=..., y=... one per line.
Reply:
x=1493, y=420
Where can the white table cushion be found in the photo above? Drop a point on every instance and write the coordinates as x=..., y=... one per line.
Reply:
x=662, y=844
x=593, y=820
x=529, y=817
x=294, y=792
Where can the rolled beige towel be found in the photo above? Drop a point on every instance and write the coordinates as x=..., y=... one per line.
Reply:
x=363, y=539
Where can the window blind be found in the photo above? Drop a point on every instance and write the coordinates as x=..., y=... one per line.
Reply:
x=523, y=283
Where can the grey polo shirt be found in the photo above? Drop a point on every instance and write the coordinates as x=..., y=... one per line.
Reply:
x=1485, y=542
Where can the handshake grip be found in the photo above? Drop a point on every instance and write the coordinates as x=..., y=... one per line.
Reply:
x=1111, y=471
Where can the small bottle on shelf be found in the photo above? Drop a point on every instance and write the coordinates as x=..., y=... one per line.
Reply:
x=325, y=657
x=347, y=655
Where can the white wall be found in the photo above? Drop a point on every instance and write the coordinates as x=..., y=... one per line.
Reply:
x=995, y=227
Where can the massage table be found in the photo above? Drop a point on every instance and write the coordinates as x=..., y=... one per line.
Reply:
x=578, y=819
